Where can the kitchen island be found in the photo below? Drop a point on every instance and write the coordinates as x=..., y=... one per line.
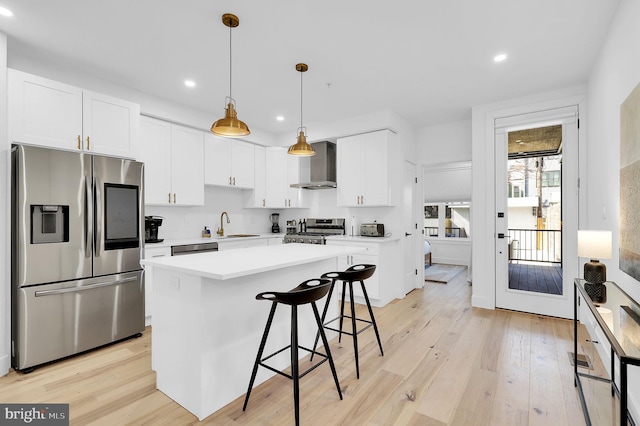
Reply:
x=207, y=323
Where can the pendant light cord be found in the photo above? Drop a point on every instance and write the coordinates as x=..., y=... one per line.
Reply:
x=230, y=67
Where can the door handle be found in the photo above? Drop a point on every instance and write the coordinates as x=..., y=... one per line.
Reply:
x=86, y=287
x=97, y=231
x=406, y=234
x=500, y=235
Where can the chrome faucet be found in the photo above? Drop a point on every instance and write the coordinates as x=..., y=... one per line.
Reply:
x=221, y=228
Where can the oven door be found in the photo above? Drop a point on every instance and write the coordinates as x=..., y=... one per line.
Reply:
x=119, y=215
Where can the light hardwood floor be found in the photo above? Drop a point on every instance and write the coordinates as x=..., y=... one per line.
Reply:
x=445, y=363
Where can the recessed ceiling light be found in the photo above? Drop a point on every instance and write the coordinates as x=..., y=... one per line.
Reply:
x=190, y=83
x=5, y=12
x=499, y=58
x=280, y=118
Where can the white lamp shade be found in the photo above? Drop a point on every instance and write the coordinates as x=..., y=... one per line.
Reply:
x=594, y=244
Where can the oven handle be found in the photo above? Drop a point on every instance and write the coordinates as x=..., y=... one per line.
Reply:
x=87, y=287
x=98, y=216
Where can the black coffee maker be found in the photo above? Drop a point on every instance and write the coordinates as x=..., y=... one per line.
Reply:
x=151, y=225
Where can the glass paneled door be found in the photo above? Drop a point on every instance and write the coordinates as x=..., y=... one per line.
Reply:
x=536, y=212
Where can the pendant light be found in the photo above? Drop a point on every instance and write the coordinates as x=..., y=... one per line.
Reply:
x=301, y=148
x=230, y=126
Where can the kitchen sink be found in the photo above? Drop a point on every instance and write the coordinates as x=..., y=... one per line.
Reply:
x=242, y=235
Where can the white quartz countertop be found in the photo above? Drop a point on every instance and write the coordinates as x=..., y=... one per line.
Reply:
x=213, y=239
x=361, y=239
x=224, y=265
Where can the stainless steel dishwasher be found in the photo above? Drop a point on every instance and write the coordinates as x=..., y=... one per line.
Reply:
x=193, y=248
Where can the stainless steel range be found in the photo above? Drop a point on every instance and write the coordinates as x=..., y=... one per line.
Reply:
x=316, y=230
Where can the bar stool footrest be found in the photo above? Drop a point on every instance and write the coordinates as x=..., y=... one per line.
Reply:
x=324, y=359
x=348, y=333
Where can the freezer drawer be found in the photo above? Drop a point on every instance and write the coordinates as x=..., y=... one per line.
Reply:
x=57, y=320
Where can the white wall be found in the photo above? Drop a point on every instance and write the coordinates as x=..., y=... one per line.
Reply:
x=615, y=74
x=445, y=143
x=5, y=233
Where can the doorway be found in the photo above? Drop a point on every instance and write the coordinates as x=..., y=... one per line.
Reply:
x=536, y=211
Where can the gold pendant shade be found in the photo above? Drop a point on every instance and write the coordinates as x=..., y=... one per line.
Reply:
x=230, y=125
x=301, y=147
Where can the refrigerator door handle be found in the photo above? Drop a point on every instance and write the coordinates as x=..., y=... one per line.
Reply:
x=87, y=287
x=98, y=214
x=87, y=219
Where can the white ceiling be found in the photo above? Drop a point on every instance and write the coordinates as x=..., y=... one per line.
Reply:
x=429, y=61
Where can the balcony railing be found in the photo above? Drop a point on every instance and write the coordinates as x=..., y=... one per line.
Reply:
x=539, y=245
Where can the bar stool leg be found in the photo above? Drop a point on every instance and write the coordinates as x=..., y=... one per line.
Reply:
x=295, y=374
x=260, y=351
x=324, y=316
x=373, y=320
x=342, y=311
x=326, y=346
x=354, y=328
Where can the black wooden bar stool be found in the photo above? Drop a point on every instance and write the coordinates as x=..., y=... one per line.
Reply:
x=306, y=293
x=353, y=274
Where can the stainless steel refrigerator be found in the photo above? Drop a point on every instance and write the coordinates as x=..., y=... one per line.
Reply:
x=77, y=238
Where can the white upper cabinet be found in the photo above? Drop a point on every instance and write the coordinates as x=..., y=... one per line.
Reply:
x=228, y=162
x=276, y=178
x=155, y=152
x=258, y=197
x=49, y=113
x=293, y=176
x=281, y=171
x=110, y=126
x=364, y=164
x=174, y=164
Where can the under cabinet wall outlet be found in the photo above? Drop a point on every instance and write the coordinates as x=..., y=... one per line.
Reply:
x=174, y=283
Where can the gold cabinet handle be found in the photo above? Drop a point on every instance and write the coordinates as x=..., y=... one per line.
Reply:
x=174, y=198
x=264, y=202
x=88, y=144
x=79, y=142
x=169, y=194
x=229, y=180
x=362, y=198
x=234, y=181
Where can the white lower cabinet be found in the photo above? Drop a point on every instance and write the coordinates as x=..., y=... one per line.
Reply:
x=150, y=253
x=386, y=282
x=236, y=243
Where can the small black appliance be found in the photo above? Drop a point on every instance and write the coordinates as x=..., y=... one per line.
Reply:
x=151, y=225
x=275, y=218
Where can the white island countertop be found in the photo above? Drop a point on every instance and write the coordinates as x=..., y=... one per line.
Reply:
x=224, y=265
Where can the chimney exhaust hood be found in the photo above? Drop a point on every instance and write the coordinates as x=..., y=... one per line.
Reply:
x=319, y=171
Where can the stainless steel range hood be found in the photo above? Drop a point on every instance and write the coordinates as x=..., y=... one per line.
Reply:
x=319, y=171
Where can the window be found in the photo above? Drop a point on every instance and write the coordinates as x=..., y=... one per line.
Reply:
x=551, y=178
x=449, y=220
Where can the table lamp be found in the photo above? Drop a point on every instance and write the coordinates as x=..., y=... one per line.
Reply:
x=595, y=245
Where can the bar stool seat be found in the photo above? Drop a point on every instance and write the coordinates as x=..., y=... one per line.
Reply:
x=356, y=273
x=307, y=292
